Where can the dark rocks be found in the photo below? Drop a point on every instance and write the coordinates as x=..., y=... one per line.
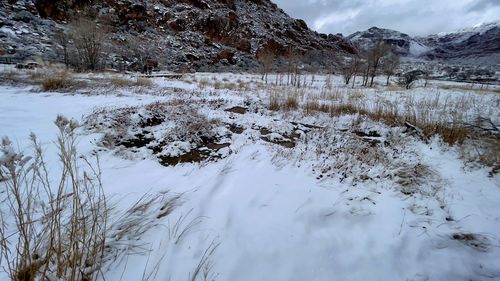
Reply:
x=237, y=109
x=24, y=16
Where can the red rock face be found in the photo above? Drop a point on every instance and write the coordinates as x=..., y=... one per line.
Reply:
x=58, y=9
x=226, y=54
x=199, y=30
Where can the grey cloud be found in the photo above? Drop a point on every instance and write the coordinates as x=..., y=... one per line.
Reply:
x=481, y=5
x=415, y=17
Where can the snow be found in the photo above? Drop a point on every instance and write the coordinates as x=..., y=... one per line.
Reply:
x=417, y=49
x=271, y=213
x=11, y=32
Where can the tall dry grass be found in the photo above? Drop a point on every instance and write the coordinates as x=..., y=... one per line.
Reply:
x=51, y=231
x=433, y=115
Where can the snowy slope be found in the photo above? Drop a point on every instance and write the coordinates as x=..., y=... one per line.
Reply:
x=477, y=45
x=269, y=212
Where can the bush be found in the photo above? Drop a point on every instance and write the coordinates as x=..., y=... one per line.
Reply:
x=408, y=79
x=54, y=82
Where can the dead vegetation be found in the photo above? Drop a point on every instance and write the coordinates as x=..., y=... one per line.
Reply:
x=478, y=88
x=59, y=79
x=63, y=231
x=423, y=118
x=476, y=241
x=52, y=231
x=127, y=82
x=164, y=129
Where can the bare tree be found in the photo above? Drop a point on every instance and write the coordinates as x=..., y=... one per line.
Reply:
x=389, y=66
x=374, y=57
x=292, y=66
x=349, y=66
x=365, y=70
x=426, y=74
x=88, y=39
x=142, y=52
x=62, y=39
x=266, y=59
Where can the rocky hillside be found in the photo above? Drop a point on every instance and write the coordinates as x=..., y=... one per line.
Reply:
x=177, y=34
x=477, y=45
x=365, y=39
x=210, y=35
x=480, y=43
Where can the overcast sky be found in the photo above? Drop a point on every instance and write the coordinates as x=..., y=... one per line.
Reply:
x=417, y=17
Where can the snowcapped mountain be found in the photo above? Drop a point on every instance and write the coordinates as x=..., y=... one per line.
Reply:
x=365, y=39
x=479, y=44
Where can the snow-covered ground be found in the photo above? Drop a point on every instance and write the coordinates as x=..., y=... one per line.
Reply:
x=279, y=195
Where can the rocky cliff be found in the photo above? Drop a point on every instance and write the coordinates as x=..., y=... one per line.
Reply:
x=179, y=34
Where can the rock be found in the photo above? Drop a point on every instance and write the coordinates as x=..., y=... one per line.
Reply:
x=24, y=16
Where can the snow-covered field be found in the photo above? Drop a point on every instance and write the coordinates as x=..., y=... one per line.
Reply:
x=297, y=194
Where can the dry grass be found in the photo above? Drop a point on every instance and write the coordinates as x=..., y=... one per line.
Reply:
x=478, y=88
x=143, y=82
x=36, y=74
x=241, y=85
x=61, y=229
x=217, y=84
x=311, y=106
x=430, y=116
x=315, y=106
x=274, y=100
x=450, y=133
x=203, y=83
x=393, y=88
x=291, y=102
x=230, y=86
x=55, y=81
x=355, y=95
x=126, y=82
x=49, y=78
x=337, y=109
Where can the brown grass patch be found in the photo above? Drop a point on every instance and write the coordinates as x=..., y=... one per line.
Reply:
x=291, y=102
x=311, y=106
x=59, y=80
x=393, y=88
x=338, y=109
x=478, y=88
x=203, y=83
x=217, y=84
x=143, y=82
x=229, y=86
x=127, y=82
x=52, y=83
x=274, y=100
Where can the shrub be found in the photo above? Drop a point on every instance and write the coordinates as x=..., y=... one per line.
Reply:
x=408, y=79
x=54, y=82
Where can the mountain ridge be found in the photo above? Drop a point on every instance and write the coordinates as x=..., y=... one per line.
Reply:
x=478, y=44
x=218, y=35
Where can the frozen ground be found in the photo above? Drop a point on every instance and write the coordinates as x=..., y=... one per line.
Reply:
x=279, y=195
